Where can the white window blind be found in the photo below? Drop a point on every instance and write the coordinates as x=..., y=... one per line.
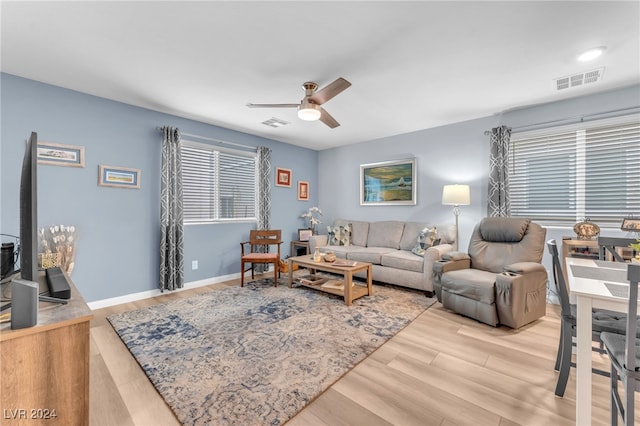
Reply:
x=218, y=184
x=563, y=175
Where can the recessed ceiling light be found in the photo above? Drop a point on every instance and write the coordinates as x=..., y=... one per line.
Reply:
x=591, y=53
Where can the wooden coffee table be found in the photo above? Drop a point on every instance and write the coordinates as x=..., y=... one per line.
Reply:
x=349, y=291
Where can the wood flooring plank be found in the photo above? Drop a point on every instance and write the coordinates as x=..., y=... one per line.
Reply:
x=519, y=406
x=112, y=410
x=116, y=356
x=391, y=392
x=337, y=409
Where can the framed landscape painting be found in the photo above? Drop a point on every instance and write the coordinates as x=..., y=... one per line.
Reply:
x=57, y=154
x=388, y=183
x=120, y=177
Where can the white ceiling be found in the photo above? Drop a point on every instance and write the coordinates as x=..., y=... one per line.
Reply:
x=413, y=65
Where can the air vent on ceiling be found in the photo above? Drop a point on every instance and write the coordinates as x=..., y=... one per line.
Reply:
x=587, y=77
x=275, y=122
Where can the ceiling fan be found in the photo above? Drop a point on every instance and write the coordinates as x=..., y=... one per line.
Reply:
x=309, y=108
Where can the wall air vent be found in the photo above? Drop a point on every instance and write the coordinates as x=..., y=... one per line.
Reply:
x=275, y=122
x=587, y=77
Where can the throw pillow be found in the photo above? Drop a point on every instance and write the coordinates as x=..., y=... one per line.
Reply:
x=428, y=238
x=339, y=235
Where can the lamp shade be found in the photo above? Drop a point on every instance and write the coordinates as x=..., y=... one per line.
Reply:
x=456, y=195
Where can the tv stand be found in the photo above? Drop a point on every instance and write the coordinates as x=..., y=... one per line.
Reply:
x=46, y=367
x=52, y=300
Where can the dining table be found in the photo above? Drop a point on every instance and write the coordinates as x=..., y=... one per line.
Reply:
x=592, y=283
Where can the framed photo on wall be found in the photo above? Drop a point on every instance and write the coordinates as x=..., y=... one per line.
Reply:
x=119, y=177
x=283, y=177
x=57, y=154
x=303, y=190
x=388, y=183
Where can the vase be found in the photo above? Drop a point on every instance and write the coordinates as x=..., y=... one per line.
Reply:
x=316, y=255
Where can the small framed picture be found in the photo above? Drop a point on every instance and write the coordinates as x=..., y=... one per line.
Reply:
x=630, y=224
x=303, y=190
x=304, y=234
x=283, y=177
x=57, y=154
x=120, y=177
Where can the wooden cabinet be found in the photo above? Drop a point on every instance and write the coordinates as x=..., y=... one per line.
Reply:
x=45, y=369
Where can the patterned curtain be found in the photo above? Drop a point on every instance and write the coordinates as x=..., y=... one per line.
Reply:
x=171, y=229
x=264, y=196
x=264, y=187
x=498, y=200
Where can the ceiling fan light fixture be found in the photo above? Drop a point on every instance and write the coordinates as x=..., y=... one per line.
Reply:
x=309, y=111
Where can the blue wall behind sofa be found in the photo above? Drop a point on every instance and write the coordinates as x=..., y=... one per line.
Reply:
x=455, y=153
x=118, y=229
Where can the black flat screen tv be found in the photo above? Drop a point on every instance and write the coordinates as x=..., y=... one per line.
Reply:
x=29, y=211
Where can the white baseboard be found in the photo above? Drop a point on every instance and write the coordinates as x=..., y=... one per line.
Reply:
x=98, y=304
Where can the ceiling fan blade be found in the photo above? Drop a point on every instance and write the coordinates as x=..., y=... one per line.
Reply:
x=328, y=92
x=250, y=105
x=327, y=119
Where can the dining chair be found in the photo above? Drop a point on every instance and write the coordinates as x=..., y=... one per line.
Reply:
x=609, y=244
x=258, y=252
x=602, y=320
x=624, y=354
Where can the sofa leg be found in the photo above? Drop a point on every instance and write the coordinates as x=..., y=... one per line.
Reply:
x=428, y=294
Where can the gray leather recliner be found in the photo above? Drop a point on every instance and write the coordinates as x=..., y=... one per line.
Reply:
x=500, y=280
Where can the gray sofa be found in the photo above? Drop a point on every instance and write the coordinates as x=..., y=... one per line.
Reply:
x=388, y=246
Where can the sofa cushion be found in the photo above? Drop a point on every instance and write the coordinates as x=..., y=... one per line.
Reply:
x=369, y=254
x=401, y=259
x=428, y=238
x=471, y=283
x=385, y=234
x=339, y=235
x=359, y=231
x=411, y=234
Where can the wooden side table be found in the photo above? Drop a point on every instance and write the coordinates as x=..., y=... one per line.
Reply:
x=301, y=244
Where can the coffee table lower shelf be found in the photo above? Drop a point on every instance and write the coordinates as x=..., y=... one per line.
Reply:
x=349, y=291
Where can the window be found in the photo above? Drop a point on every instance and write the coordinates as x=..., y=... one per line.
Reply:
x=563, y=175
x=217, y=184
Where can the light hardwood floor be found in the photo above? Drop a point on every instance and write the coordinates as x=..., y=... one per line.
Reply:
x=442, y=369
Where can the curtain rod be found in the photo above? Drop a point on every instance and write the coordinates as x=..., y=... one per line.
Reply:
x=253, y=148
x=574, y=119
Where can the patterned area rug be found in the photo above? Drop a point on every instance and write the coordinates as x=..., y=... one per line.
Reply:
x=257, y=355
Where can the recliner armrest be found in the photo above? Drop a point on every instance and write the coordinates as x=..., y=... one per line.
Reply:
x=521, y=293
x=455, y=255
x=442, y=266
x=524, y=267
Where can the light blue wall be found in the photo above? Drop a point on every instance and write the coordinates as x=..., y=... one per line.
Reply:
x=456, y=153
x=449, y=154
x=118, y=229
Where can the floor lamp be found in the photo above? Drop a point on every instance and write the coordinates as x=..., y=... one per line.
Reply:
x=456, y=196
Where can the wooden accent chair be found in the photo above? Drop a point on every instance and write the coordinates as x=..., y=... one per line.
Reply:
x=261, y=240
x=624, y=353
x=603, y=320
